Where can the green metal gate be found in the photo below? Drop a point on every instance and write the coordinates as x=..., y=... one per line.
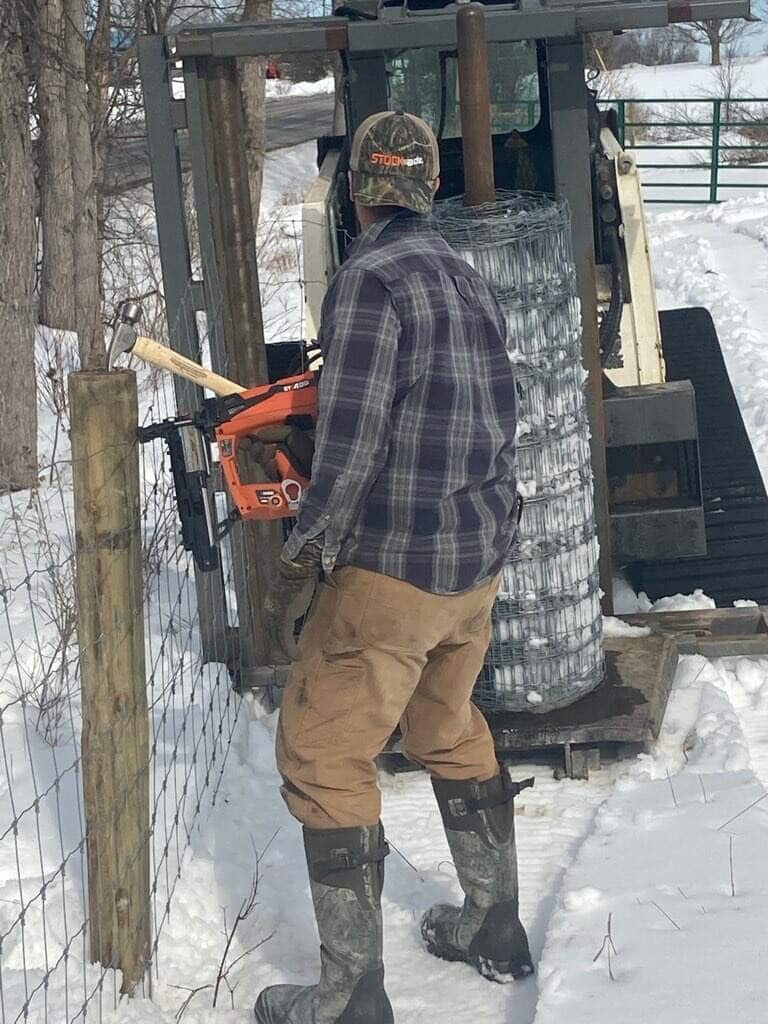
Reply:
x=725, y=142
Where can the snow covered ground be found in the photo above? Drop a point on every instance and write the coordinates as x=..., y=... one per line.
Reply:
x=674, y=867
x=642, y=841
x=669, y=847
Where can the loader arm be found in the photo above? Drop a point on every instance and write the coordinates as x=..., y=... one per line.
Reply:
x=639, y=354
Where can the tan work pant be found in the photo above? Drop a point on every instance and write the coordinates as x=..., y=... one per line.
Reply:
x=376, y=652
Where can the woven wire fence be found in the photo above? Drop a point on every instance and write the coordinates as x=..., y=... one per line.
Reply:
x=546, y=649
x=46, y=973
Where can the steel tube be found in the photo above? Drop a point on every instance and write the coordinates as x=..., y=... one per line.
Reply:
x=255, y=545
x=436, y=29
x=475, y=104
x=179, y=296
x=573, y=181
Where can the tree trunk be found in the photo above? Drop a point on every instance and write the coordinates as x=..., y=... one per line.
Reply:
x=57, y=202
x=97, y=76
x=18, y=410
x=714, y=28
x=87, y=240
x=253, y=91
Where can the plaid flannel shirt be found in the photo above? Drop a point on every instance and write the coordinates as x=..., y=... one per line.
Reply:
x=413, y=473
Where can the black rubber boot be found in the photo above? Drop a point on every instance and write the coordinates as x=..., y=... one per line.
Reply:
x=346, y=871
x=479, y=819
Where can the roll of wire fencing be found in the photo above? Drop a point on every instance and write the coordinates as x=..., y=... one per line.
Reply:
x=546, y=649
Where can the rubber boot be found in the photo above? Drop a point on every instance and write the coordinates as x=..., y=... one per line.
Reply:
x=479, y=820
x=346, y=870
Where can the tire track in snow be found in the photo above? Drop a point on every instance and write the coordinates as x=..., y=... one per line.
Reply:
x=745, y=681
x=657, y=862
x=717, y=257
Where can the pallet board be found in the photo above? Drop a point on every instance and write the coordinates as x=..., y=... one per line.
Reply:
x=627, y=707
x=715, y=632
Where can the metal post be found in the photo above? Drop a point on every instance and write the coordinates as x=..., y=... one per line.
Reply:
x=714, y=170
x=255, y=546
x=622, y=116
x=475, y=104
x=180, y=305
x=194, y=91
x=367, y=93
x=573, y=181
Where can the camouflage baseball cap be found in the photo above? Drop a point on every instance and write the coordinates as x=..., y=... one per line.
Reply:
x=395, y=161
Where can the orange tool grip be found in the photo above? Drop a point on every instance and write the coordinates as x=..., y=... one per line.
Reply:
x=293, y=396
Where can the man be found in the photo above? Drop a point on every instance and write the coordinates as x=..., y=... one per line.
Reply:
x=410, y=515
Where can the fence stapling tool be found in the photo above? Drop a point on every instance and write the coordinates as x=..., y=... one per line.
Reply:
x=228, y=421
x=233, y=416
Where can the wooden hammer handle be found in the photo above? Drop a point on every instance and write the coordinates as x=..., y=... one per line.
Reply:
x=166, y=359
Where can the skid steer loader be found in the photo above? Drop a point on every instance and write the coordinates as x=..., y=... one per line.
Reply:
x=679, y=499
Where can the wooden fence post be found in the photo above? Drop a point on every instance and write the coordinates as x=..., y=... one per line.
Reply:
x=110, y=615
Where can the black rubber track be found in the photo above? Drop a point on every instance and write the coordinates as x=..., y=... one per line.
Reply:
x=735, y=500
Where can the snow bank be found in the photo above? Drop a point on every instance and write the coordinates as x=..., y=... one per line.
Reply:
x=280, y=87
x=685, y=81
x=696, y=601
x=627, y=602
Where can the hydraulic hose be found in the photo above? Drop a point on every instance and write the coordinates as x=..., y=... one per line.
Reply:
x=609, y=328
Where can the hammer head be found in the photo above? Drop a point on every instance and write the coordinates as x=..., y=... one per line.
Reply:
x=125, y=333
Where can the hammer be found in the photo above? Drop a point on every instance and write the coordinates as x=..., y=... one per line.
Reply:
x=126, y=338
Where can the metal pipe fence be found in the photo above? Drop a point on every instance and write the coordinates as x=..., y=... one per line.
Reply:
x=724, y=142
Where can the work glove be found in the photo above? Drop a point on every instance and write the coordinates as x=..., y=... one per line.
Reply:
x=297, y=444
x=290, y=596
